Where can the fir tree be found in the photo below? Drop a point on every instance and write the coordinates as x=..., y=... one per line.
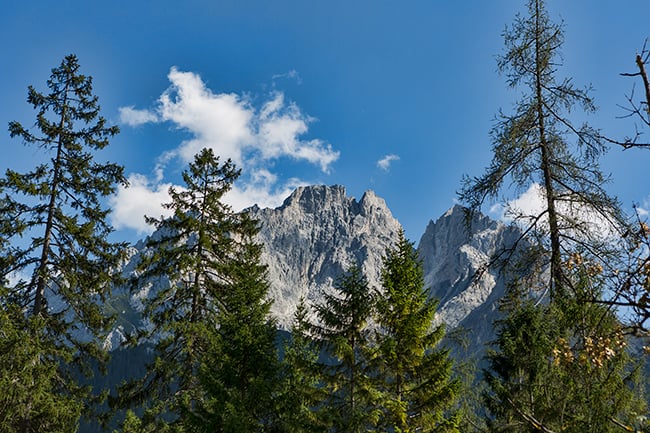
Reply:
x=415, y=375
x=344, y=334
x=62, y=274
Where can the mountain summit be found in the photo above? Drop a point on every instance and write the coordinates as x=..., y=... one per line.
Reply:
x=313, y=238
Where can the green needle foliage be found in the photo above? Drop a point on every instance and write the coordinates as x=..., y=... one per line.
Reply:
x=414, y=374
x=343, y=333
x=301, y=397
x=239, y=373
x=54, y=232
x=208, y=317
x=32, y=397
x=561, y=367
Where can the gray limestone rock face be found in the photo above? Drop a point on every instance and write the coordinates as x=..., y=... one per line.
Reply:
x=316, y=235
x=319, y=232
x=455, y=250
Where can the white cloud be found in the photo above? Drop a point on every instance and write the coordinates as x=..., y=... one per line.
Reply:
x=230, y=125
x=386, y=161
x=134, y=117
x=141, y=198
x=526, y=208
x=281, y=125
x=528, y=205
x=217, y=121
x=262, y=190
x=292, y=74
x=145, y=197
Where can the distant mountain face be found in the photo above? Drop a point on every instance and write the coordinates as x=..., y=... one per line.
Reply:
x=316, y=235
x=454, y=250
x=319, y=232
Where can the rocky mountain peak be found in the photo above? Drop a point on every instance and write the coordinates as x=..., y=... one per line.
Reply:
x=454, y=249
x=315, y=198
x=319, y=232
x=316, y=235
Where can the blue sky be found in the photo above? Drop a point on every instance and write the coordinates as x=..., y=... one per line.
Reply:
x=397, y=97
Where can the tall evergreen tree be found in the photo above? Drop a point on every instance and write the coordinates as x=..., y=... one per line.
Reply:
x=209, y=305
x=184, y=262
x=239, y=372
x=561, y=367
x=301, y=398
x=415, y=374
x=538, y=143
x=61, y=275
x=343, y=331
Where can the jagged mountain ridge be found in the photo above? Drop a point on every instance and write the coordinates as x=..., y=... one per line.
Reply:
x=319, y=231
x=455, y=250
x=316, y=235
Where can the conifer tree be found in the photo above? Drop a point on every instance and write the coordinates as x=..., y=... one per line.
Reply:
x=184, y=262
x=54, y=232
x=301, y=397
x=208, y=317
x=562, y=366
x=239, y=372
x=415, y=374
x=343, y=332
x=538, y=143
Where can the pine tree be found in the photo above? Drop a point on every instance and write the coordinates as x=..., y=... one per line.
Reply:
x=415, y=374
x=538, y=143
x=343, y=332
x=61, y=275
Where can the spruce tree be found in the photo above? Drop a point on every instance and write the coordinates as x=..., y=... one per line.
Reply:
x=343, y=332
x=239, y=371
x=538, y=143
x=414, y=373
x=300, y=401
x=207, y=311
x=55, y=234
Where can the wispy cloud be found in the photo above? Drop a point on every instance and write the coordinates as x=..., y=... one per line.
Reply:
x=133, y=117
x=253, y=136
x=263, y=190
x=291, y=75
x=644, y=209
x=385, y=162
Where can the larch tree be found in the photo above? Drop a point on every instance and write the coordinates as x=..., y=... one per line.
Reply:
x=539, y=144
x=414, y=374
x=57, y=254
